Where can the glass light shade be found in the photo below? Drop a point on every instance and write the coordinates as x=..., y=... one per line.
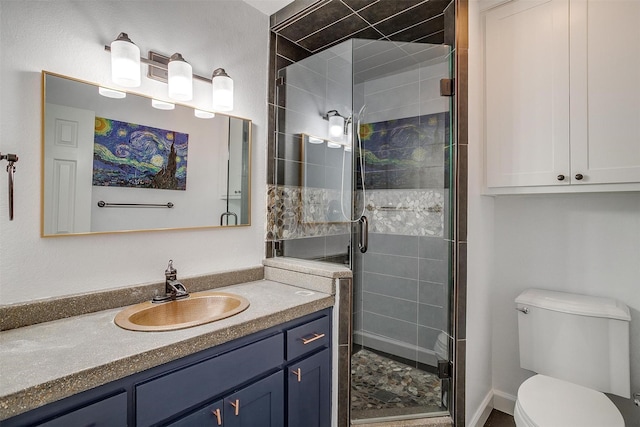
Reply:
x=201, y=114
x=125, y=62
x=222, y=91
x=180, y=78
x=162, y=105
x=336, y=127
x=111, y=93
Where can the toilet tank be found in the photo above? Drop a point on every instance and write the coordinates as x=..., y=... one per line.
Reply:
x=577, y=338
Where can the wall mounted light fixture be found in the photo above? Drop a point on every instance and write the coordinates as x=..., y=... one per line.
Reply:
x=180, y=78
x=125, y=62
x=336, y=125
x=174, y=70
x=339, y=127
x=222, y=90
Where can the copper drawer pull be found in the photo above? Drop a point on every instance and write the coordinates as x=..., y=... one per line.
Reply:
x=217, y=415
x=236, y=405
x=298, y=373
x=310, y=340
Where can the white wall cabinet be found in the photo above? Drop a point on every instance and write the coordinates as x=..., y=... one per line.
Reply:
x=562, y=90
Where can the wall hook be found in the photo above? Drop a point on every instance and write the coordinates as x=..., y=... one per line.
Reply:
x=11, y=169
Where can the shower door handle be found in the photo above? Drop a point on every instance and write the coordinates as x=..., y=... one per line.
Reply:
x=363, y=243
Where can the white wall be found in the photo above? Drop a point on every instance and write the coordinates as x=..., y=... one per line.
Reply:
x=581, y=243
x=67, y=37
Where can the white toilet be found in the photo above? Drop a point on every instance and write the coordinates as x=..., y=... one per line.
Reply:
x=579, y=347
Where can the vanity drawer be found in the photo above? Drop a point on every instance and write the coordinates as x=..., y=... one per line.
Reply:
x=163, y=397
x=308, y=337
x=105, y=413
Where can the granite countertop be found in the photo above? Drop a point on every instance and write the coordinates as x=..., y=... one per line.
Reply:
x=46, y=362
x=312, y=267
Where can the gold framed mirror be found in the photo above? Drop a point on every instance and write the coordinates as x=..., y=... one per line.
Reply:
x=116, y=164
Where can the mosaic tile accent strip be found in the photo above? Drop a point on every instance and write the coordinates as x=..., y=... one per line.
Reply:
x=298, y=212
x=405, y=212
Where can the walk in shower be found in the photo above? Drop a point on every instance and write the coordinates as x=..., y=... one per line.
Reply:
x=364, y=165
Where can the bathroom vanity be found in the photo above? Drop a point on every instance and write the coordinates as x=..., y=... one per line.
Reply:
x=269, y=365
x=276, y=377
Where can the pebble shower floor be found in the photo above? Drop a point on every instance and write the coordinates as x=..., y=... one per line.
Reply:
x=381, y=387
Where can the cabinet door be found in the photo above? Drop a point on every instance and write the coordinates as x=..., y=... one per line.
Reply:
x=309, y=391
x=605, y=91
x=210, y=415
x=527, y=93
x=164, y=396
x=259, y=404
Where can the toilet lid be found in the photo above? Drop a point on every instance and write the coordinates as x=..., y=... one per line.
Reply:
x=546, y=402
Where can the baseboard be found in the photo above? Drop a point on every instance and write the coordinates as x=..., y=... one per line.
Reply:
x=504, y=402
x=482, y=414
x=494, y=399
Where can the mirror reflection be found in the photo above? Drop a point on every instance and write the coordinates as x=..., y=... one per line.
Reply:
x=114, y=163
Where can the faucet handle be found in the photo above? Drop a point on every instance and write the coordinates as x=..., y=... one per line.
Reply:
x=170, y=271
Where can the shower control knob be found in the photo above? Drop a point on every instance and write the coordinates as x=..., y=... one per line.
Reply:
x=579, y=176
x=560, y=177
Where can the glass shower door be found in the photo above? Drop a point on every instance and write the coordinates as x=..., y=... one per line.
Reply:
x=401, y=283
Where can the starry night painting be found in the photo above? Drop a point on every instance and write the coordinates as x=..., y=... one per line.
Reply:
x=406, y=153
x=132, y=155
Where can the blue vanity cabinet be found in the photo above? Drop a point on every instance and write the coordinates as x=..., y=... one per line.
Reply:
x=250, y=376
x=309, y=373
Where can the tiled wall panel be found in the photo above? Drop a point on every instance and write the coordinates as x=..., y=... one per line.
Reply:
x=403, y=281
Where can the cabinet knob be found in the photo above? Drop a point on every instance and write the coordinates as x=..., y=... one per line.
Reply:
x=560, y=177
x=579, y=176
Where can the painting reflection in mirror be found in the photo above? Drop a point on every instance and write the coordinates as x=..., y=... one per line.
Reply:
x=112, y=165
x=134, y=155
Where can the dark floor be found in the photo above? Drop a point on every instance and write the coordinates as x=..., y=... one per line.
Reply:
x=499, y=419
